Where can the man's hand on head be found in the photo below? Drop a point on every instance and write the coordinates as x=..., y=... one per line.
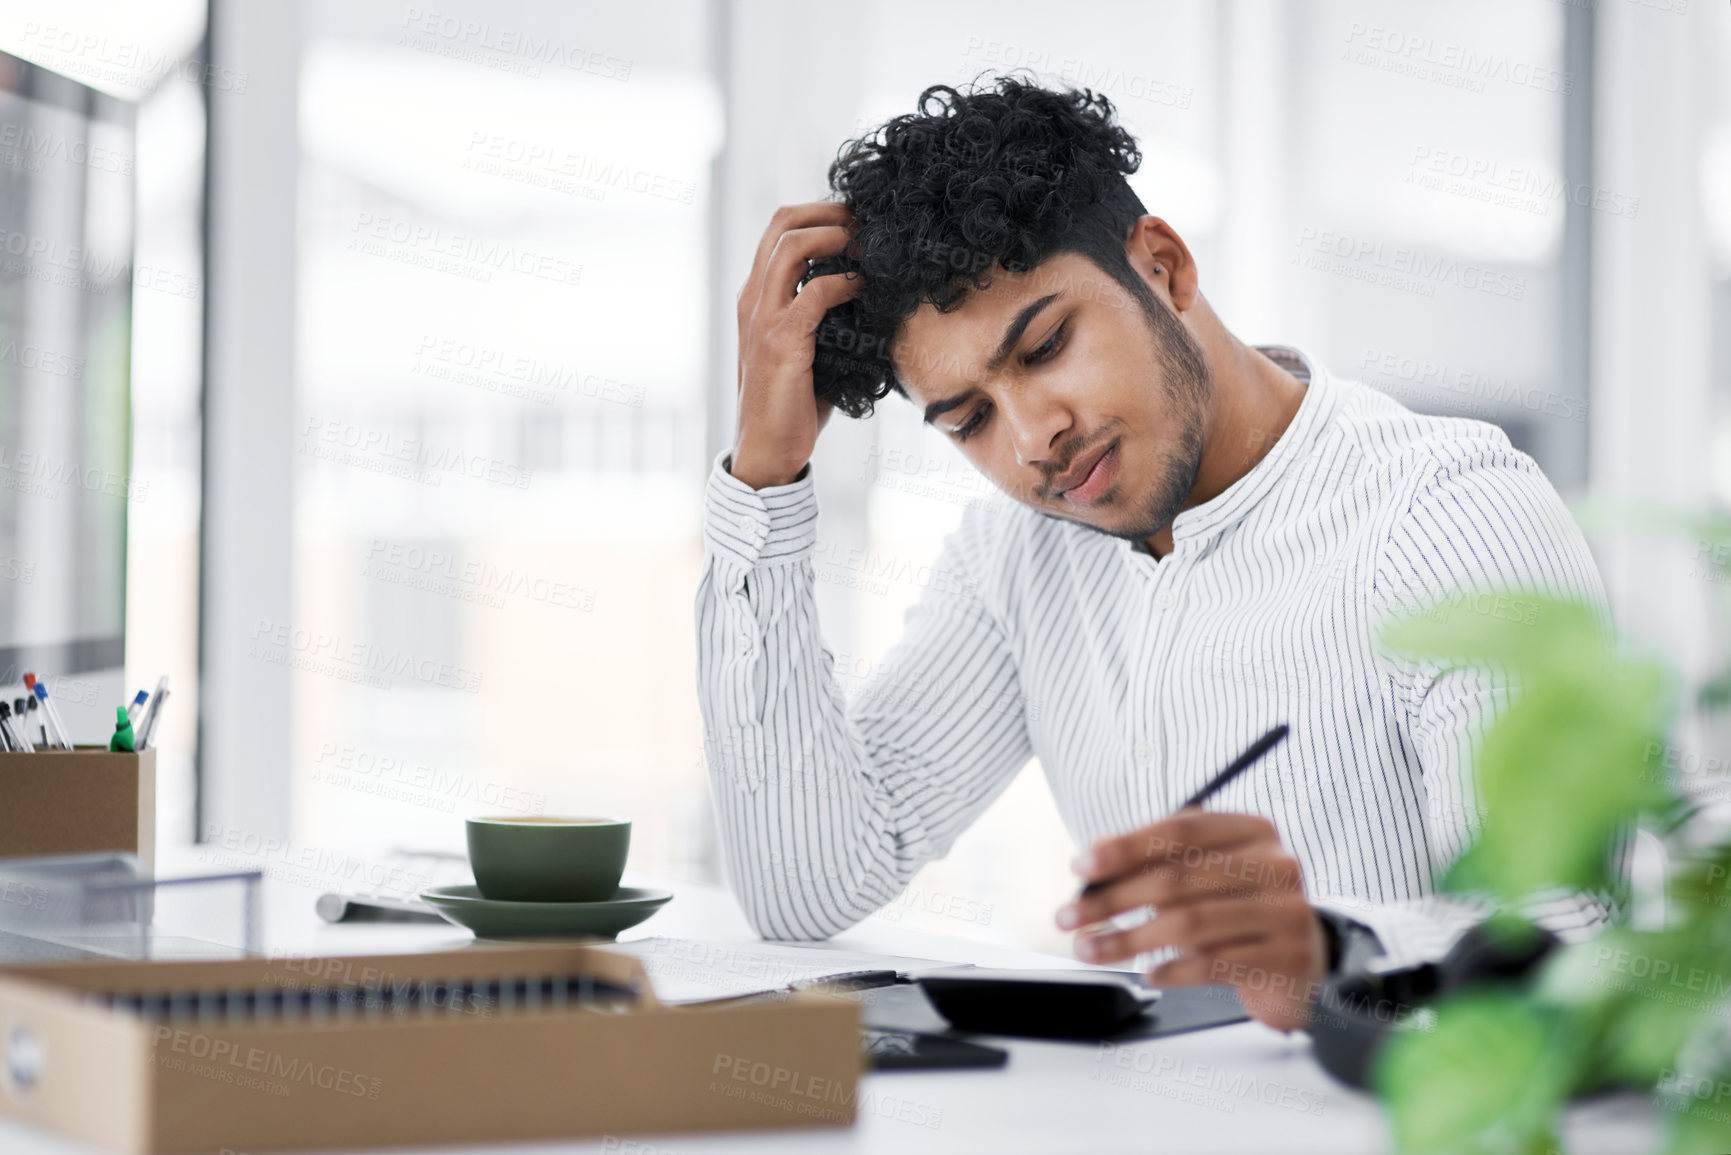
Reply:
x=780, y=415
x=1225, y=894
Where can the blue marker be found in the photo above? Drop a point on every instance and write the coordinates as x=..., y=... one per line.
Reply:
x=137, y=705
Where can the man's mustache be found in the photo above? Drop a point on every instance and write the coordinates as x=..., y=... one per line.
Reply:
x=1069, y=452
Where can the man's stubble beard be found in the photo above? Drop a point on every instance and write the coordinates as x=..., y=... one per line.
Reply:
x=1188, y=385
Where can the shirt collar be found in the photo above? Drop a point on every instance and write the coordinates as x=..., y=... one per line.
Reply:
x=1314, y=410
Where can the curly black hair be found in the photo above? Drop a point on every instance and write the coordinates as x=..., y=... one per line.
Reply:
x=1001, y=176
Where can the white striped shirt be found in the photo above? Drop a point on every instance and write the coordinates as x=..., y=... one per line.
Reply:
x=1135, y=679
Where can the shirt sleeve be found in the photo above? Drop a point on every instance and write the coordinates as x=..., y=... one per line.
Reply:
x=827, y=807
x=1485, y=525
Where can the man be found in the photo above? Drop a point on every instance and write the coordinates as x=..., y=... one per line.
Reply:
x=1197, y=541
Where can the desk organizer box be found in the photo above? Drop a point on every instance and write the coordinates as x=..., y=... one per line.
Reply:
x=82, y=801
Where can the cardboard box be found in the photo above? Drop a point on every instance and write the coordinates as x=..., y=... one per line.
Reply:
x=78, y=802
x=474, y=1069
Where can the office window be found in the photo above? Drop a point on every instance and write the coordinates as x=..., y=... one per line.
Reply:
x=501, y=360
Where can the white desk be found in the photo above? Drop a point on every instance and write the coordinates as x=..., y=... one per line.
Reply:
x=1187, y=1093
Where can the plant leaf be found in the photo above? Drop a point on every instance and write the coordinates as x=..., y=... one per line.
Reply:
x=1486, y=1076
x=1647, y=993
x=1560, y=775
x=1699, y=1108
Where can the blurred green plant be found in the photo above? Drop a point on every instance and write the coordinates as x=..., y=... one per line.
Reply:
x=1577, y=762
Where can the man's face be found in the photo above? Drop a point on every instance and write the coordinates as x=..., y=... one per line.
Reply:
x=1062, y=389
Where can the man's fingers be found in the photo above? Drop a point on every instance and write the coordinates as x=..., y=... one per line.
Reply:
x=787, y=264
x=1102, y=901
x=789, y=338
x=789, y=261
x=1266, y=873
x=800, y=216
x=1182, y=840
x=785, y=218
x=1270, y=991
x=1198, y=927
x=1215, y=967
x=1205, y=927
x=1190, y=971
x=820, y=295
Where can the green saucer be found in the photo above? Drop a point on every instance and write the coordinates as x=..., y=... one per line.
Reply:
x=489, y=918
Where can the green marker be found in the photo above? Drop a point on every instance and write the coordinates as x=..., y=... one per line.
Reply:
x=121, y=743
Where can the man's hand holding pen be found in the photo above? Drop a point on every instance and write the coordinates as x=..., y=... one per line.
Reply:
x=1226, y=895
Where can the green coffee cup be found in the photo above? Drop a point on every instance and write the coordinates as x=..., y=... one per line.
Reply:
x=540, y=859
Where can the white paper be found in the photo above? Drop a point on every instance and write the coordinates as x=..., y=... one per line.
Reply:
x=684, y=970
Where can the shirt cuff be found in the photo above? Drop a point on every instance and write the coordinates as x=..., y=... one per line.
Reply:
x=775, y=525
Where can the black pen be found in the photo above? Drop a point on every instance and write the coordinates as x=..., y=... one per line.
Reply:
x=1238, y=766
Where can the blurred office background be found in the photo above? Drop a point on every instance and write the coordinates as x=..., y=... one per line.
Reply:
x=433, y=347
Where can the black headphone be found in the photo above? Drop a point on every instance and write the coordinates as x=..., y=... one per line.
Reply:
x=1356, y=1013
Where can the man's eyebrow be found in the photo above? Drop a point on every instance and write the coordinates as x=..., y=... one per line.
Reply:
x=1012, y=334
x=939, y=408
x=1015, y=330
